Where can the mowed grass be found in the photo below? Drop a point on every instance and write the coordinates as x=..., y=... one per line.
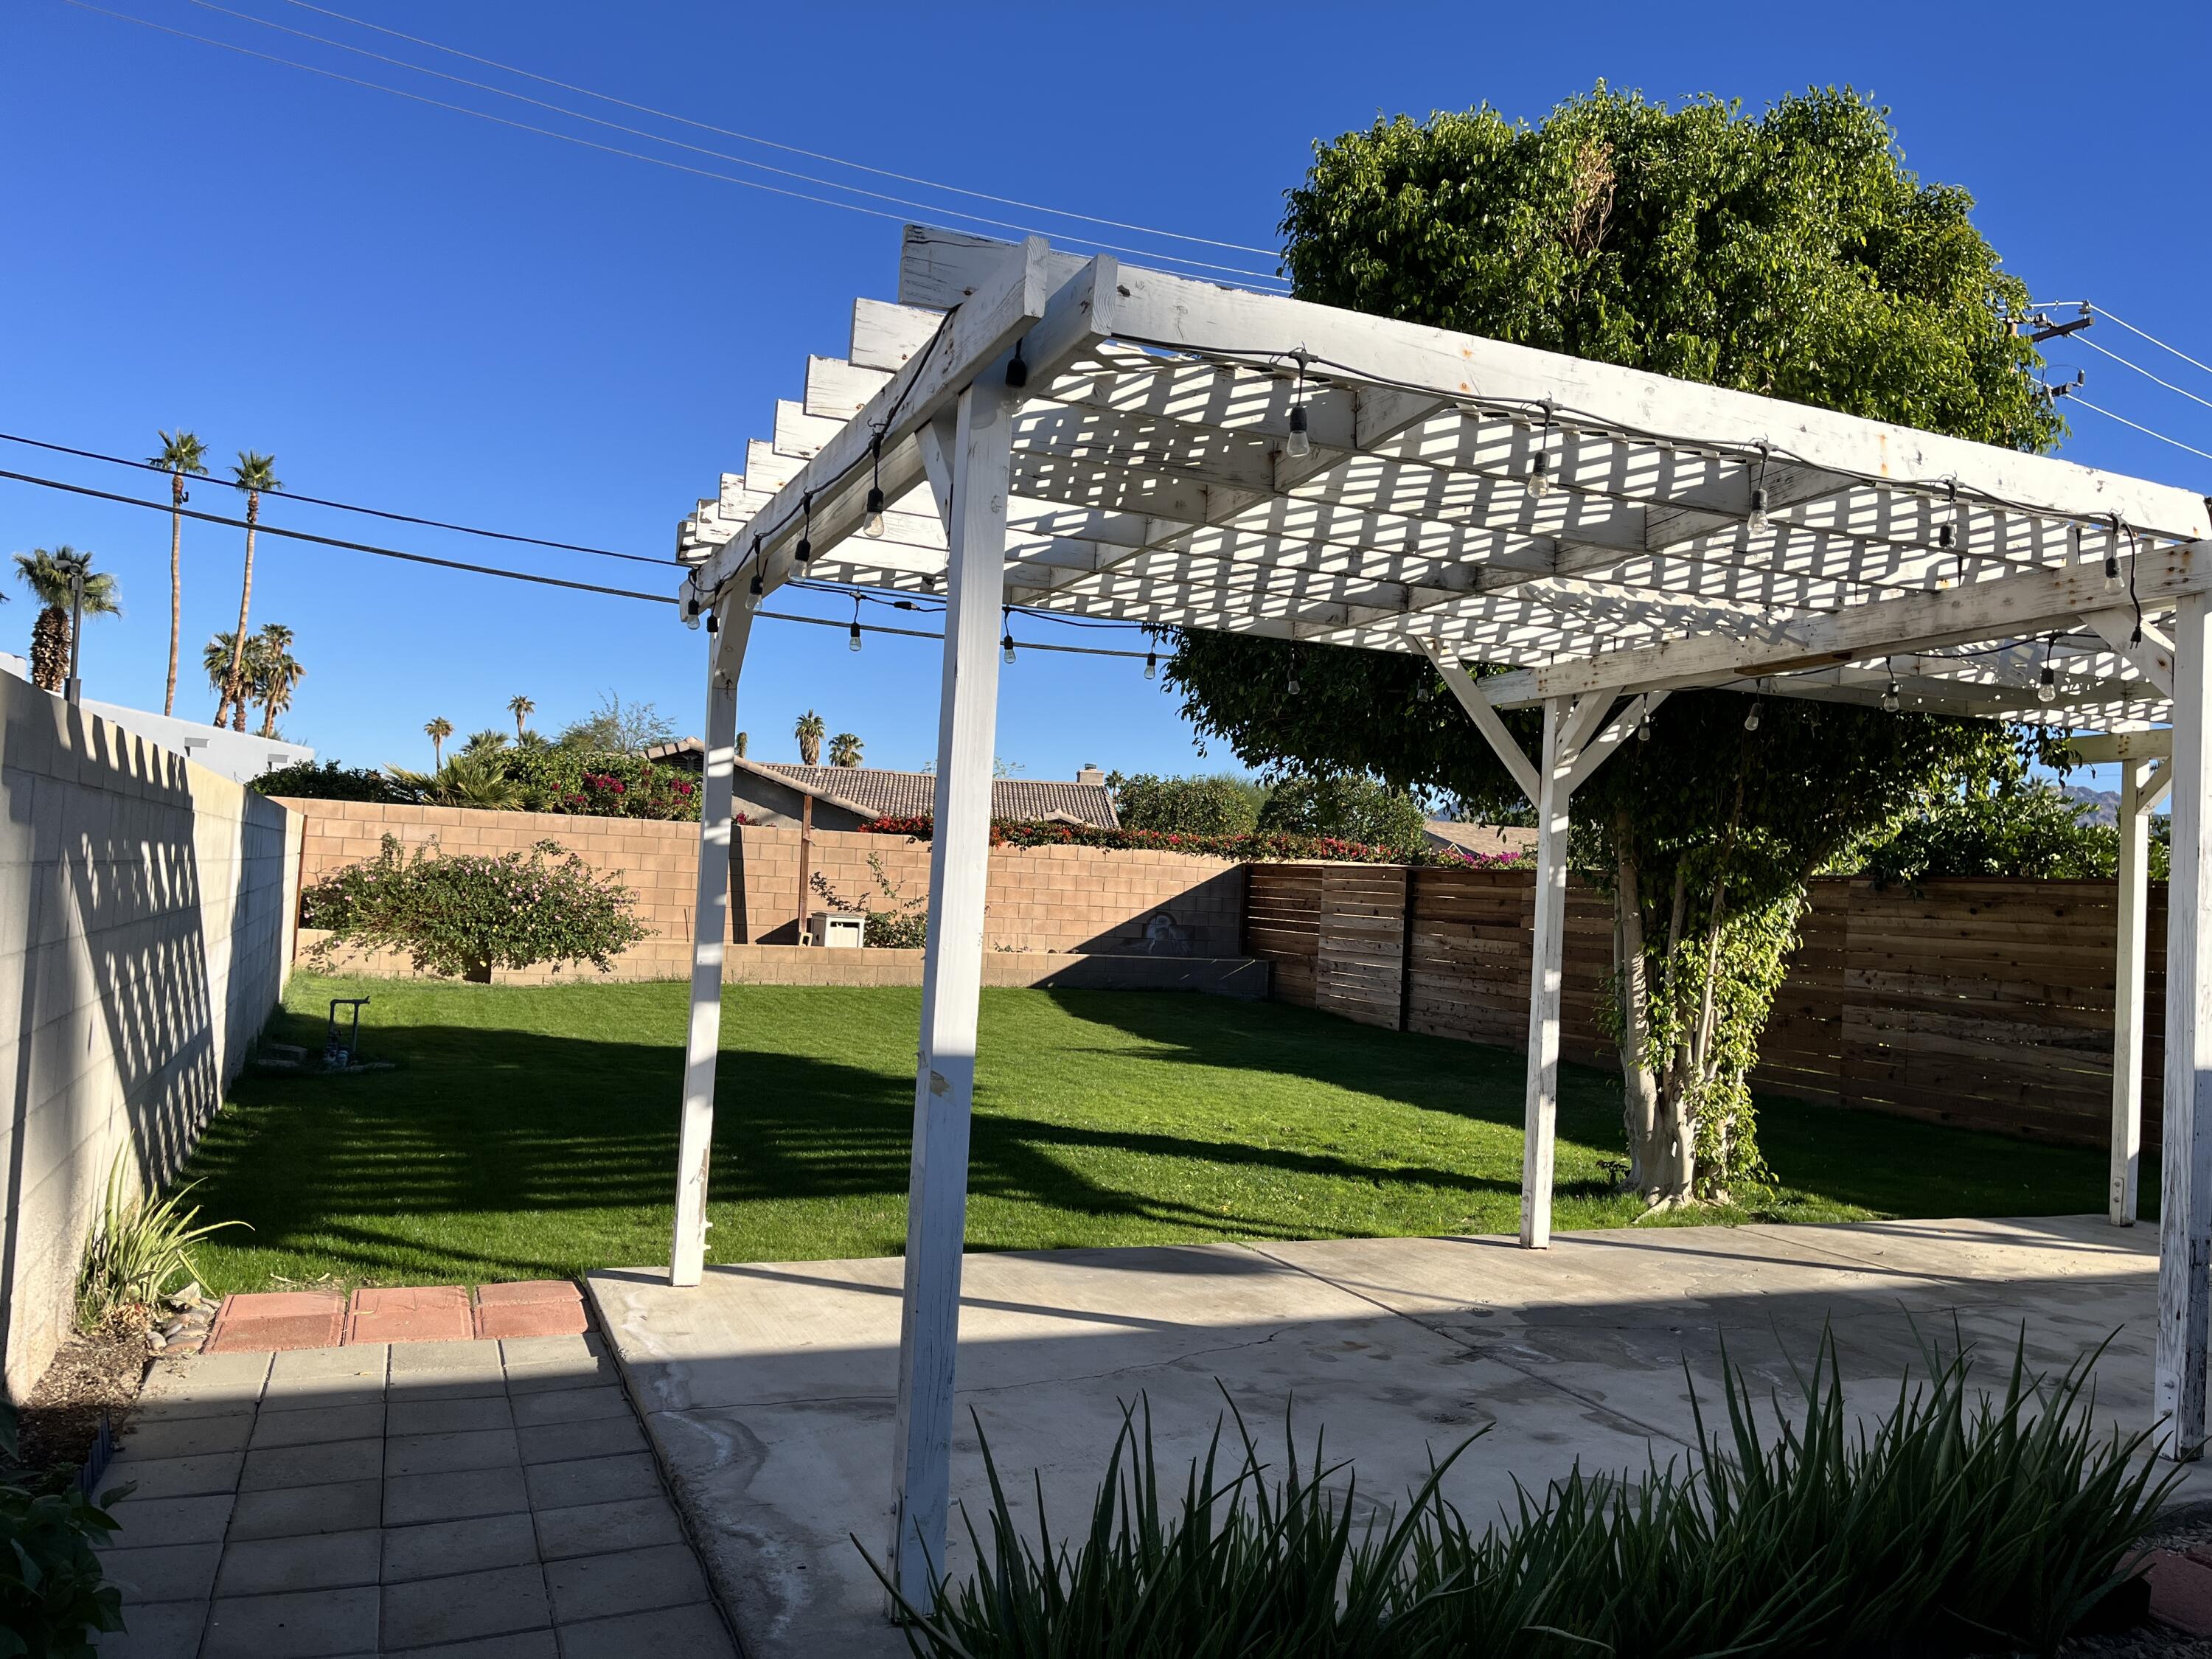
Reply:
x=530, y=1134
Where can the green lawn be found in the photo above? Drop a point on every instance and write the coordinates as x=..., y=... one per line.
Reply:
x=532, y=1133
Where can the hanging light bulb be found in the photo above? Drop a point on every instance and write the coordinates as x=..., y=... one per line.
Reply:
x=2047, y=690
x=1152, y=664
x=2112, y=579
x=1751, y=719
x=713, y=622
x=1291, y=684
x=1759, y=521
x=1007, y=647
x=1017, y=372
x=873, y=523
x=1299, y=444
x=805, y=551
x=1540, y=477
x=753, y=593
x=1891, y=699
x=1006, y=642
x=852, y=640
x=1643, y=729
x=692, y=615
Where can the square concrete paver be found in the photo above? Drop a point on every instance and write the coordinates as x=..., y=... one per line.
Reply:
x=321, y=1503
x=261, y=1323
x=431, y=1313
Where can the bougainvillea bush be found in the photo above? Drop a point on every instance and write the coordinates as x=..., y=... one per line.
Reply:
x=465, y=914
x=1008, y=832
x=601, y=786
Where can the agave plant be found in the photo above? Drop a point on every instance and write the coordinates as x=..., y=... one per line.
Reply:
x=141, y=1247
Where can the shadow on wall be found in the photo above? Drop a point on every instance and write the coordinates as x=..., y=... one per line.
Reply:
x=143, y=917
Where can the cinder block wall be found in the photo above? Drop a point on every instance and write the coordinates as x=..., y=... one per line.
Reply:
x=1040, y=898
x=146, y=918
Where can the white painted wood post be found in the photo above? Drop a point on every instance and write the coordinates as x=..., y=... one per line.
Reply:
x=1541, y=1128
x=2128, y=993
x=2185, y=1223
x=710, y=923
x=952, y=974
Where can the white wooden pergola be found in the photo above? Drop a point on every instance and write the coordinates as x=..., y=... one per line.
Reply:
x=1029, y=428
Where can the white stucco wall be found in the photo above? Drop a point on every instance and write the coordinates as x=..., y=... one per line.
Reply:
x=146, y=912
x=238, y=755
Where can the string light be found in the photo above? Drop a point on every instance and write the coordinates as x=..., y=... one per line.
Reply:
x=805, y=548
x=854, y=637
x=691, y=614
x=713, y=622
x=2111, y=555
x=1291, y=685
x=1643, y=729
x=1751, y=719
x=2046, y=688
x=1007, y=641
x=872, y=525
x=1540, y=466
x=1757, y=523
x=754, y=587
x=1891, y=699
x=1152, y=664
x=1299, y=444
x=1017, y=372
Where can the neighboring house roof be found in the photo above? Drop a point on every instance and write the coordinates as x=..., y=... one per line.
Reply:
x=876, y=792
x=1479, y=838
x=240, y=756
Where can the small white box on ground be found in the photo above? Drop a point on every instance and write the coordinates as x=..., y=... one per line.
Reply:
x=838, y=929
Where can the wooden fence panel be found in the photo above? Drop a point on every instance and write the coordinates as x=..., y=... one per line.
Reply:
x=1984, y=1003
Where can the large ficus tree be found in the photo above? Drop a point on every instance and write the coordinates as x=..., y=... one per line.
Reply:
x=1789, y=254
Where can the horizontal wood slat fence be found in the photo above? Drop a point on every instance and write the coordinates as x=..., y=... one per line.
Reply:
x=1983, y=1003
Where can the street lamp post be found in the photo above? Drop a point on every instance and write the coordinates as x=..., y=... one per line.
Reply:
x=73, y=688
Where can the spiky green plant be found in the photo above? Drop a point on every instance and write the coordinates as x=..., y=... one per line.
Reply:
x=141, y=1247
x=1960, y=1521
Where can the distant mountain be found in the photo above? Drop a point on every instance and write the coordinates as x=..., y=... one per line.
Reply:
x=2106, y=802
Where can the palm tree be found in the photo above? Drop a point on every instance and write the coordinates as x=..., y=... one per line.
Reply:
x=49, y=575
x=254, y=473
x=215, y=659
x=489, y=741
x=274, y=672
x=438, y=730
x=845, y=750
x=744, y=738
x=522, y=708
x=808, y=732
x=181, y=454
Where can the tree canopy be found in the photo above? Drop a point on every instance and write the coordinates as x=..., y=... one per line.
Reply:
x=1789, y=254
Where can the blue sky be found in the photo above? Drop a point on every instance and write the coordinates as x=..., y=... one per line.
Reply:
x=421, y=311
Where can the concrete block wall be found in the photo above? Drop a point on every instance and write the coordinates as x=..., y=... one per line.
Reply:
x=1068, y=899
x=146, y=926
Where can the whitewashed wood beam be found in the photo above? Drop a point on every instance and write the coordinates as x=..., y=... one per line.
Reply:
x=2151, y=655
x=953, y=971
x=2027, y=602
x=710, y=921
x=1486, y=720
x=2101, y=748
x=2185, y=1233
x=1540, y=1122
x=2132, y=942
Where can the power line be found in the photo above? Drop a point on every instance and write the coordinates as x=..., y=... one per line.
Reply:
x=349, y=506
x=2146, y=373
x=677, y=143
x=338, y=541
x=770, y=143
x=2109, y=317
x=496, y=570
x=630, y=154
x=2146, y=431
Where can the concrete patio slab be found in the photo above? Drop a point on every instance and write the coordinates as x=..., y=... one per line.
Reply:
x=769, y=1388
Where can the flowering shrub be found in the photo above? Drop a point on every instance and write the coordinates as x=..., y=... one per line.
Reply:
x=601, y=786
x=1459, y=858
x=468, y=913
x=1008, y=832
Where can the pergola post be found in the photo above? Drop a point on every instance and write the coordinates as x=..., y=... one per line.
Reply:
x=1540, y=1132
x=710, y=923
x=952, y=972
x=2137, y=793
x=2184, y=1242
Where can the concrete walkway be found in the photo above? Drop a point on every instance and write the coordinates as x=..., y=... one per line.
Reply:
x=475, y=1498
x=770, y=1388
